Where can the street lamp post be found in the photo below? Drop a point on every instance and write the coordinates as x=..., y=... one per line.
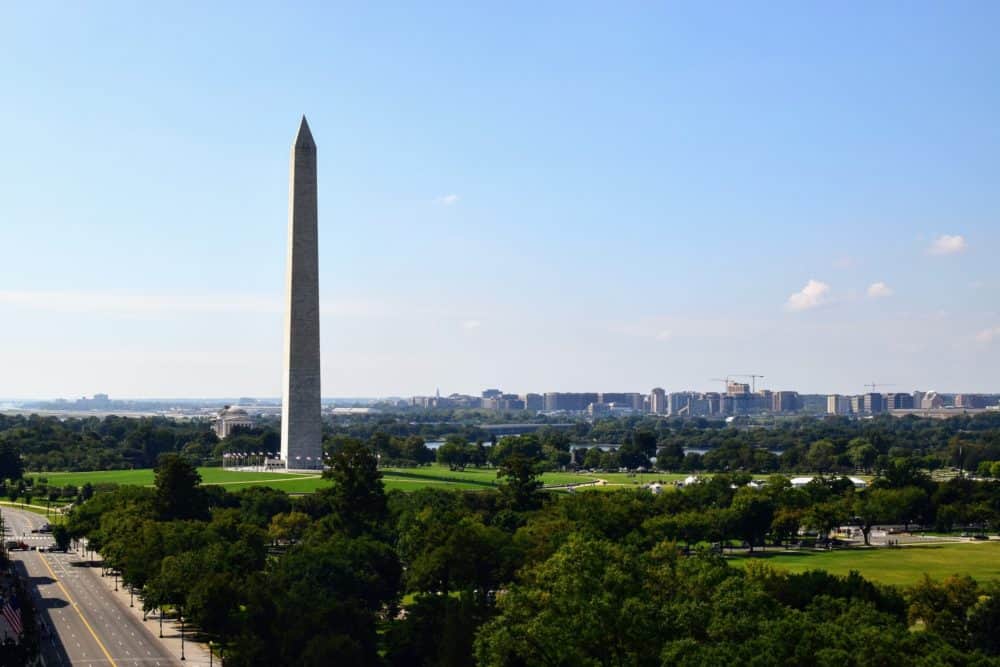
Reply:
x=182, y=637
x=161, y=622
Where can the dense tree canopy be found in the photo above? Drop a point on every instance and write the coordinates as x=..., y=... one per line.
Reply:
x=516, y=575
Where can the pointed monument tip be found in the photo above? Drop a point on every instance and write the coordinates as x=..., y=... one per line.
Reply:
x=304, y=137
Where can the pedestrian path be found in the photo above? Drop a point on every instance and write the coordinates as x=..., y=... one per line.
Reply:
x=195, y=654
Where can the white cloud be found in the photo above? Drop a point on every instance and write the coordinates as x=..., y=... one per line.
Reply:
x=813, y=294
x=471, y=325
x=879, y=289
x=988, y=335
x=447, y=200
x=947, y=245
x=664, y=334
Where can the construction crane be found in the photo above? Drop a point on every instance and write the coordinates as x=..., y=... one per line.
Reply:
x=753, y=379
x=724, y=381
x=875, y=385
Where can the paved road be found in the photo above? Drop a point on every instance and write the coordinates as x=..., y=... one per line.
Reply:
x=88, y=624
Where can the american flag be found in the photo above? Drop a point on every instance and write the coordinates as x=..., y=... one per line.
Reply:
x=12, y=612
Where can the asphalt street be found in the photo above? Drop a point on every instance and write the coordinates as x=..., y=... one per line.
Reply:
x=87, y=624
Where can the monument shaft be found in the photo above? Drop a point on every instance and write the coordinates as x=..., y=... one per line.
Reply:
x=301, y=418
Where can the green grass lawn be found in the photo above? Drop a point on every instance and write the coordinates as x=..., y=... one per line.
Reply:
x=903, y=566
x=144, y=477
x=407, y=479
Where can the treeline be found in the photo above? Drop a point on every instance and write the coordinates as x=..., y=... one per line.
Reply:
x=94, y=443
x=518, y=576
x=833, y=444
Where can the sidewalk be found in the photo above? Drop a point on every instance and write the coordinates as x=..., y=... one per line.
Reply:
x=194, y=653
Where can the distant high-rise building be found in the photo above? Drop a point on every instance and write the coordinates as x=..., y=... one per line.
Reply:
x=931, y=401
x=737, y=388
x=509, y=403
x=967, y=401
x=762, y=400
x=631, y=400
x=868, y=404
x=491, y=393
x=785, y=401
x=874, y=403
x=569, y=402
x=838, y=405
x=898, y=401
x=677, y=402
x=533, y=402
x=658, y=401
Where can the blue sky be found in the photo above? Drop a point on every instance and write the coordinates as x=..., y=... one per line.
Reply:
x=535, y=196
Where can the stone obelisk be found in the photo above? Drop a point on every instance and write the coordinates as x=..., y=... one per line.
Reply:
x=301, y=419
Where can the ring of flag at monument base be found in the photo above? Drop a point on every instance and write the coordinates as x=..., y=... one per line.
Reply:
x=11, y=611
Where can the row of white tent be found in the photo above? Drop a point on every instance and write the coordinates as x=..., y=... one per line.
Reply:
x=797, y=482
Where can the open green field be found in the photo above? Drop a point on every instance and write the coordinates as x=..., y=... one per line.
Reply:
x=406, y=479
x=902, y=567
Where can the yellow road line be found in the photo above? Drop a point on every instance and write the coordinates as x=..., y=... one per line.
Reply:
x=80, y=613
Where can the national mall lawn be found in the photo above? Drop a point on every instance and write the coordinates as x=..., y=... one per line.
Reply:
x=900, y=566
x=406, y=479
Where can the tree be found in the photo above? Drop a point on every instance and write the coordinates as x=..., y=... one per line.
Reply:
x=526, y=446
x=825, y=516
x=61, y=536
x=11, y=466
x=645, y=442
x=520, y=484
x=862, y=453
x=213, y=603
x=754, y=513
x=592, y=459
x=178, y=491
x=785, y=524
x=472, y=558
x=670, y=456
x=415, y=449
x=288, y=527
x=318, y=605
x=585, y=605
x=822, y=456
x=944, y=606
x=452, y=454
x=631, y=456
x=873, y=506
x=358, y=495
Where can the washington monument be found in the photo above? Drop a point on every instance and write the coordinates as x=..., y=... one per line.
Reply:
x=301, y=419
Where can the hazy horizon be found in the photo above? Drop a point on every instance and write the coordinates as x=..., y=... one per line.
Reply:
x=555, y=198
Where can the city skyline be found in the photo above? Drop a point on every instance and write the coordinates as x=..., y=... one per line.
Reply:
x=790, y=190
